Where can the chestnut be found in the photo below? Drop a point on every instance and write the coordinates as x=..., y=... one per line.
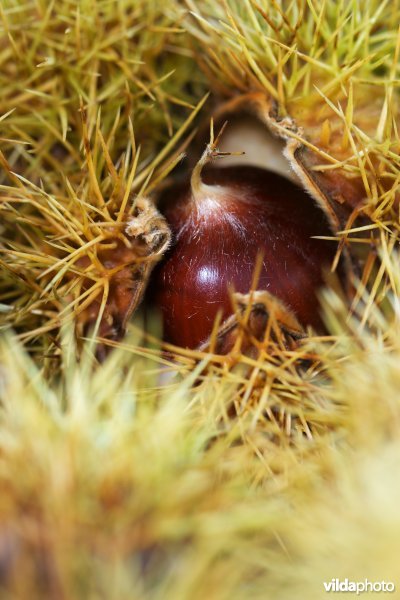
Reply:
x=221, y=220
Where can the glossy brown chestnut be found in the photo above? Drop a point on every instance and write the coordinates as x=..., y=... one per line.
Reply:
x=220, y=223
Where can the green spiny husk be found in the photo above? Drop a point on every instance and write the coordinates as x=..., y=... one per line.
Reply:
x=91, y=115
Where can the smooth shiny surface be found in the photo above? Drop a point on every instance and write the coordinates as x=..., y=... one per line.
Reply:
x=243, y=211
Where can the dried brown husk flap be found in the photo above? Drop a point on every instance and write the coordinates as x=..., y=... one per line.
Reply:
x=260, y=319
x=125, y=263
x=328, y=149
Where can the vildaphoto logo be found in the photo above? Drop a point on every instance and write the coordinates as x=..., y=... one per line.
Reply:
x=358, y=587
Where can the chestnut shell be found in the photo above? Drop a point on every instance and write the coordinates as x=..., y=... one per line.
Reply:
x=247, y=211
